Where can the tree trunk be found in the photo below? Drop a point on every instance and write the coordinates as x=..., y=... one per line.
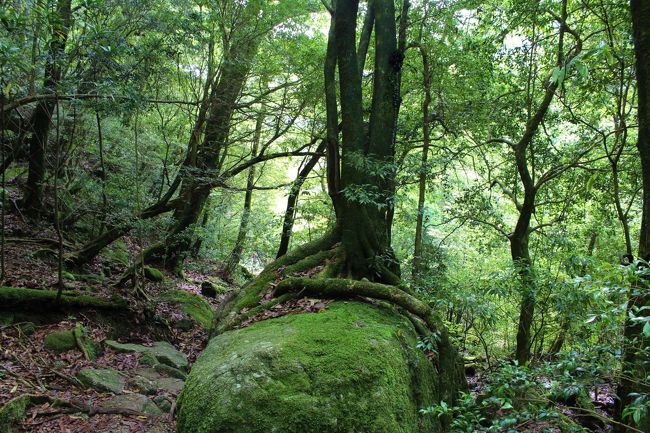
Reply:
x=636, y=356
x=520, y=255
x=194, y=191
x=290, y=213
x=364, y=228
x=235, y=254
x=42, y=116
x=422, y=181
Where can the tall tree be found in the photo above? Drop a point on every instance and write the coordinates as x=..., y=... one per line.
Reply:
x=41, y=120
x=366, y=159
x=634, y=388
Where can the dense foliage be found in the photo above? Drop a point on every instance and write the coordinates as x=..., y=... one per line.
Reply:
x=195, y=132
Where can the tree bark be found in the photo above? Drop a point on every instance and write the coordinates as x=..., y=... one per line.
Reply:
x=41, y=120
x=422, y=176
x=636, y=356
x=194, y=190
x=363, y=224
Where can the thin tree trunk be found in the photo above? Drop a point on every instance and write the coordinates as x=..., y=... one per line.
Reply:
x=422, y=181
x=235, y=254
x=195, y=191
x=294, y=192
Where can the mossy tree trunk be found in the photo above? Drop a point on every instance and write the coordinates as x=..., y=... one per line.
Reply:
x=363, y=199
x=636, y=357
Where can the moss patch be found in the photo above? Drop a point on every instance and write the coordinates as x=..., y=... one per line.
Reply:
x=352, y=368
x=34, y=299
x=193, y=305
x=153, y=274
x=13, y=412
x=60, y=341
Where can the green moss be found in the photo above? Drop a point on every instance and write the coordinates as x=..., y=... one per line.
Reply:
x=352, y=368
x=105, y=379
x=13, y=412
x=153, y=274
x=251, y=293
x=193, y=305
x=34, y=299
x=60, y=341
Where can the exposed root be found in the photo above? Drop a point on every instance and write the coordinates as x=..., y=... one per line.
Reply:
x=344, y=288
x=15, y=410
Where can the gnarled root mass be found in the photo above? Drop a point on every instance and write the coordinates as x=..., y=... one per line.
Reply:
x=314, y=270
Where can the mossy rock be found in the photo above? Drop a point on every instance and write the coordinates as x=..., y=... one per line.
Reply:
x=161, y=351
x=210, y=289
x=105, y=379
x=193, y=305
x=132, y=402
x=170, y=371
x=60, y=341
x=13, y=412
x=153, y=274
x=351, y=368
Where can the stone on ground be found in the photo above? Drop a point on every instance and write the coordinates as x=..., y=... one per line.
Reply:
x=162, y=351
x=104, y=379
x=132, y=402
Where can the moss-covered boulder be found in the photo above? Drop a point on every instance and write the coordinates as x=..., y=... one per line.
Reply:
x=153, y=274
x=351, y=368
x=60, y=341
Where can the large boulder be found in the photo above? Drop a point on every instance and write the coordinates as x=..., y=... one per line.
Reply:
x=351, y=368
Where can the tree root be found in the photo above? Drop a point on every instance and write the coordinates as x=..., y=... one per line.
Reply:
x=344, y=288
x=15, y=410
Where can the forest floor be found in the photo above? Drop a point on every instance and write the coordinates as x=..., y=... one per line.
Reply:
x=28, y=367
x=146, y=396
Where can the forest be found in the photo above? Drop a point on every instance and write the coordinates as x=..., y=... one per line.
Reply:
x=315, y=216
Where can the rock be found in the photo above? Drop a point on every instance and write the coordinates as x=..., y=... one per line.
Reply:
x=143, y=385
x=210, y=289
x=134, y=402
x=170, y=371
x=170, y=384
x=60, y=341
x=314, y=373
x=148, y=373
x=125, y=347
x=167, y=354
x=102, y=379
x=148, y=383
x=147, y=358
x=162, y=351
x=164, y=403
x=153, y=274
